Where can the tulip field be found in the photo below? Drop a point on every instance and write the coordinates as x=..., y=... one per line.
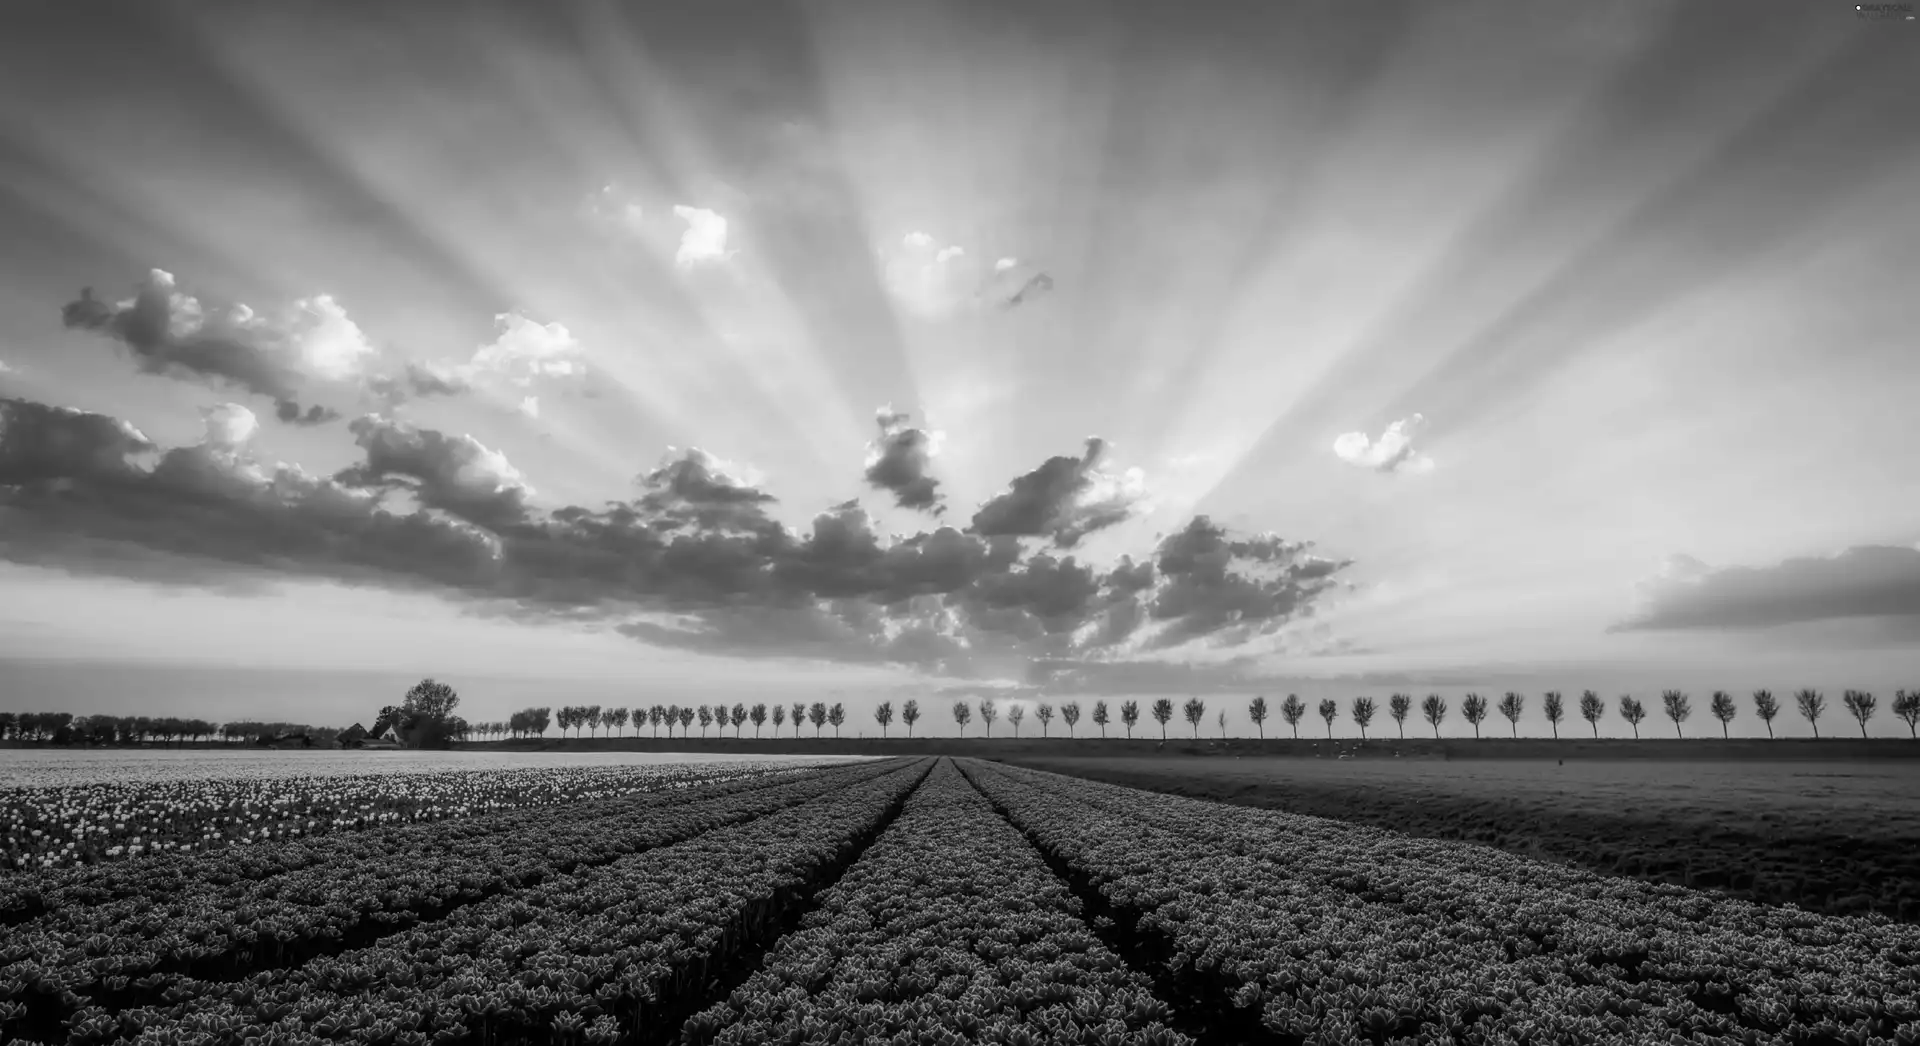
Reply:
x=911, y=900
x=66, y=813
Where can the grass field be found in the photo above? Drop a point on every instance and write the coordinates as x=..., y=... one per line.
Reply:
x=1835, y=837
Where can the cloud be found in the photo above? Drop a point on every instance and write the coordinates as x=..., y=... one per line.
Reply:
x=230, y=425
x=705, y=239
x=455, y=474
x=525, y=350
x=170, y=332
x=530, y=407
x=423, y=380
x=1064, y=499
x=692, y=558
x=926, y=278
x=1011, y=286
x=74, y=495
x=1392, y=452
x=1863, y=581
x=42, y=443
x=290, y=412
x=899, y=460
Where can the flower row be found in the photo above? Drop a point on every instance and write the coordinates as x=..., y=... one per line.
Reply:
x=602, y=952
x=950, y=925
x=140, y=945
x=1327, y=928
x=64, y=826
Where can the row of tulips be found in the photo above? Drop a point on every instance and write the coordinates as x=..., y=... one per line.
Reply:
x=618, y=952
x=1339, y=933
x=950, y=929
x=142, y=945
x=171, y=874
x=68, y=825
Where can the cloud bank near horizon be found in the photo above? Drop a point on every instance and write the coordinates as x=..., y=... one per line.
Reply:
x=693, y=559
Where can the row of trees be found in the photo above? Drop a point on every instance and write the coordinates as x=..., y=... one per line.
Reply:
x=65, y=728
x=594, y=718
x=427, y=717
x=1474, y=708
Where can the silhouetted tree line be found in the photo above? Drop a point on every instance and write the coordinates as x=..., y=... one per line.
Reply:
x=65, y=728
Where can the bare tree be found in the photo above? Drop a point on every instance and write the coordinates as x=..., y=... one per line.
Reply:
x=799, y=716
x=1100, y=716
x=1129, y=714
x=817, y=715
x=1329, y=710
x=594, y=720
x=1766, y=707
x=706, y=719
x=1511, y=705
x=780, y=719
x=910, y=714
x=686, y=720
x=1293, y=710
x=673, y=720
x=987, y=714
x=617, y=718
x=1474, y=708
x=1906, y=705
x=1723, y=709
x=1363, y=709
x=1678, y=708
x=1591, y=709
x=1859, y=704
x=1044, y=713
x=1195, y=710
x=1555, y=708
x=739, y=717
x=1633, y=712
x=1016, y=713
x=759, y=716
x=837, y=717
x=1070, y=713
x=1398, y=706
x=883, y=714
x=1812, y=704
x=1257, y=711
x=1435, y=709
x=1221, y=718
x=1162, y=714
x=961, y=713
x=656, y=715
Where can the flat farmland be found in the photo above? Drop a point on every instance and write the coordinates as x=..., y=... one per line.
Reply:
x=1833, y=837
x=915, y=900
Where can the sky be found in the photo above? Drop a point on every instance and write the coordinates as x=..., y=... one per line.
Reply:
x=635, y=353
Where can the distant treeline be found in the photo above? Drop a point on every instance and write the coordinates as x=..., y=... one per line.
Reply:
x=533, y=722
x=65, y=728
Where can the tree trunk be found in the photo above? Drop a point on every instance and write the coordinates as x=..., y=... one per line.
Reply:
x=1723, y=730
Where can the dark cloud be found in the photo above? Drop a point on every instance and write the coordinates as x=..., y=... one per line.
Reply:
x=1863, y=581
x=693, y=560
x=419, y=380
x=40, y=443
x=171, y=333
x=1034, y=287
x=1012, y=284
x=1065, y=499
x=72, y=495
x=290, y=412
x=454, y=474
x=899, y=461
